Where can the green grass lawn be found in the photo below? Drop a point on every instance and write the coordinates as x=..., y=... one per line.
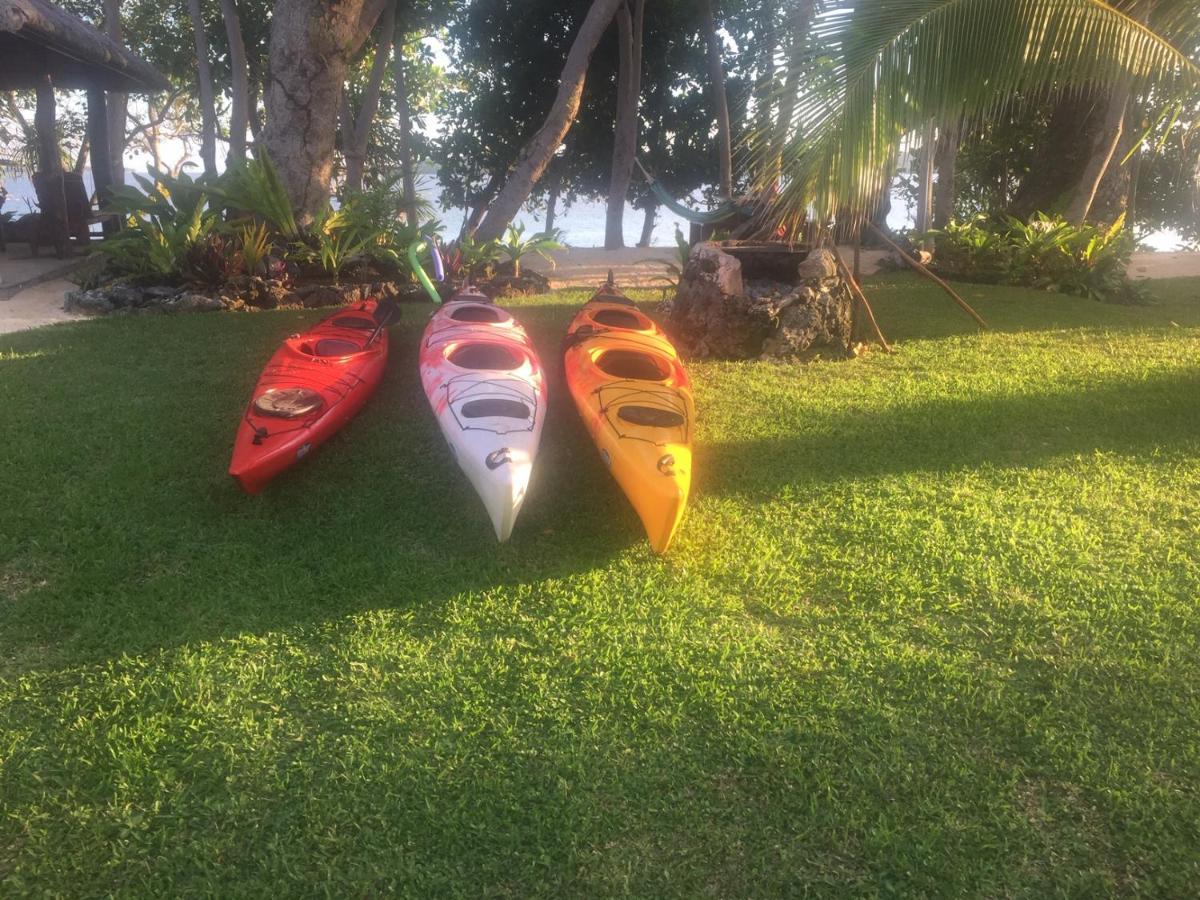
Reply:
x=929, y=627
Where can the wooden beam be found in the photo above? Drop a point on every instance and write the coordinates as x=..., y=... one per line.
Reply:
x=966, y=307
x=52, y=197
x=857, y=292
x=102, y=167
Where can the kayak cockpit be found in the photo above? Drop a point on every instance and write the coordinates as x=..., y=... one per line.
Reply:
x=637, y=365
x=485, y=356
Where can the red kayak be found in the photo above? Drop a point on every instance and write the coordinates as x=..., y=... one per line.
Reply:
x=313, y=385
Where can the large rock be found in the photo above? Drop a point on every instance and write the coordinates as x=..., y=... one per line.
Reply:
x=726, y=308
x=93, y=303
x=192, y=302
x=711, y=314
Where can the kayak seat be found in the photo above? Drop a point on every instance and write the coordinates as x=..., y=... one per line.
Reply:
x=355, y=322
x=492, y=357
x=619, y=318
x=477, y=314
x=650, y=416
x=632, y=364
x=331, y=347
x=288, y=403
x=495, y=408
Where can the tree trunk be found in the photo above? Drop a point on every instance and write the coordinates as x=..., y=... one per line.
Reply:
x=208, y=108
x=1102, y=155
x=716, y=75
x=54, y=203
x=801, y=21
x=311, y=42
x=925, y=178
x=629, y=90
x=1059, y=156
x=537, y=153
x=117, y=104
x=947, y=169
x=552, y=205
x=479, y=205
x=648, y=224
x=407, y=174
x=764, y=82
x=102, y=166
x=356, y=130
x=256, y=127
x=239, y=107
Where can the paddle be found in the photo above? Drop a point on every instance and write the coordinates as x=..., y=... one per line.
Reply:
x=387, y=311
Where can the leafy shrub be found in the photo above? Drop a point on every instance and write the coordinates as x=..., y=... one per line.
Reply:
x=516, y=245
x=1047, y=253
x=162, y=227
x=468, y=259
x=174, y=232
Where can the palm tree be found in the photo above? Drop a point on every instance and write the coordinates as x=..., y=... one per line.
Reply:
x=888, y=67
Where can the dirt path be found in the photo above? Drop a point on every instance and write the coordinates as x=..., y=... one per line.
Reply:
x=40, y=304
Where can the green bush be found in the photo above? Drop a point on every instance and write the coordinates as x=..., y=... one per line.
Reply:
x=1047, y=253
x=208, y=230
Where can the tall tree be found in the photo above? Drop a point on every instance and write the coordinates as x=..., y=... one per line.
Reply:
x=716, y=76
x=404, y=113
x=356, y=128
x=897, y=64
x=536, y=154
x=310, y=48
x=239, y=106
x=629, y=91
x=208, y=108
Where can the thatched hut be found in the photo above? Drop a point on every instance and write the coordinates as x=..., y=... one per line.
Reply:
x=43, y=48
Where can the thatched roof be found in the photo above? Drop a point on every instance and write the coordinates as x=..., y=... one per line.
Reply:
x=38, y=39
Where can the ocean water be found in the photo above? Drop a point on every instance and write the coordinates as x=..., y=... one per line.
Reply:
x=582, y=222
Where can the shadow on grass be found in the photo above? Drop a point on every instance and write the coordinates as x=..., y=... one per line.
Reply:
x=911, y=308
x=118, y=501
x=1122, y=416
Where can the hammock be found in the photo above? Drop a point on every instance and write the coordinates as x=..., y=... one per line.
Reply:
x=727, y=209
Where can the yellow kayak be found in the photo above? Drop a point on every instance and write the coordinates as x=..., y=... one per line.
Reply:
x=636, y=401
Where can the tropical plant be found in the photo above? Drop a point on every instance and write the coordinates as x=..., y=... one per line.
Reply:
x=256, y=188
x=672, y=271
x=212, y=260
x=1046, y=252
x=516, y=246
x=157, y=243
x=254, y=244
x=889, y=66
x=469, y=258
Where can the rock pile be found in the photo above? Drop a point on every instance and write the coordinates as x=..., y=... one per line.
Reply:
x=722, y=311
x=246, y=292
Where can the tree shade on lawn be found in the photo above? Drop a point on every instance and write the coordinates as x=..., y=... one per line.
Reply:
x=929, y=627
x=899, y=63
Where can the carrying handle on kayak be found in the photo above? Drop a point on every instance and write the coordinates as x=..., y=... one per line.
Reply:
x=419, y=270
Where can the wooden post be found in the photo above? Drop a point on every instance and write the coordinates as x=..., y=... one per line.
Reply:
x=102, y=167
x=54, y=203
x=857, y=292
x=924, y=271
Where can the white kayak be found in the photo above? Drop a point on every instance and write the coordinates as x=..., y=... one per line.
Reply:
x=487, y=390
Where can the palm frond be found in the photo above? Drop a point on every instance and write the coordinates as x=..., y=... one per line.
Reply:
x=877, y=71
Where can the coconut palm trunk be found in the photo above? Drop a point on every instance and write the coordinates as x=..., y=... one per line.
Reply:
x=535, y=156
x=208, y=108
x=239, y=106
x=716, y=77
x=407, y=165
x=629, y=90
x=116, y=103
x=356, y=129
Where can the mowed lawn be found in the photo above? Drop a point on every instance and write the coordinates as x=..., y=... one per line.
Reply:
x=930, y=626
